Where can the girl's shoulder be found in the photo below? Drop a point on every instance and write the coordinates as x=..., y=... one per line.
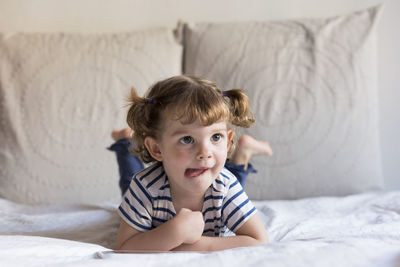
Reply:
x=225, y=180
x=151, y=178
x=227, y=175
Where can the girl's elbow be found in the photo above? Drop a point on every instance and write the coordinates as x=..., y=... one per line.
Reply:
x=262, y=239
x=119, y=246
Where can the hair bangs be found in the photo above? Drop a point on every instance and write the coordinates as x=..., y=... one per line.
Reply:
x=207, y=110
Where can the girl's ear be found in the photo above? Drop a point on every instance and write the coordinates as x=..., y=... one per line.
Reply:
x=230, y=138
x=153, y=147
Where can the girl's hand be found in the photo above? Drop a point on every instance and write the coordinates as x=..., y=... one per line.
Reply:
x=191, y=225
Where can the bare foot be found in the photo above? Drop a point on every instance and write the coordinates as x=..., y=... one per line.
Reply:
x=248, y=147
x=118, y=134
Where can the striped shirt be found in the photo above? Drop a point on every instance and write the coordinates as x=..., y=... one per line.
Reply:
x=148, y=203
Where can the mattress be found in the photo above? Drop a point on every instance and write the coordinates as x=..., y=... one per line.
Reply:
x=356, y=230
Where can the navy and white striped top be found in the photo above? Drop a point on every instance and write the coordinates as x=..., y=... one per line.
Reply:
x=147, y=203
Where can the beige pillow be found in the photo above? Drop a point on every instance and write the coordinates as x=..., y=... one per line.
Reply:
x=312, y=85
x=60, y=97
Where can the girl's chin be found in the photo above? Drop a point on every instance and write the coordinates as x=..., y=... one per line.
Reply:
x=201, y=182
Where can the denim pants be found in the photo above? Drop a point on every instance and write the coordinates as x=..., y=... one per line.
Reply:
x=128, y=165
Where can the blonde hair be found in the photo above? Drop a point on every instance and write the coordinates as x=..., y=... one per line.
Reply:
x=187, y=98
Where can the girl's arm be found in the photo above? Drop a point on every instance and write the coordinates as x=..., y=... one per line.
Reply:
x=251, y=233
x=186, y=227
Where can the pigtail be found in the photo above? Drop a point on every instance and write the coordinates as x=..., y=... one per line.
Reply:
x=133, y=101
x=240, y=108
x=137, y=118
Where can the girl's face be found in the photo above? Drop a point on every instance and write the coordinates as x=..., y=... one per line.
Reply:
x=192, y=154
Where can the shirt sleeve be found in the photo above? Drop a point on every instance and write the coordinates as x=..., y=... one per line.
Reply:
x=136, y=207
x=236, y=206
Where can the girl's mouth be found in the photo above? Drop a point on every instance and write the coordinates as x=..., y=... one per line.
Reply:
x=191, y=173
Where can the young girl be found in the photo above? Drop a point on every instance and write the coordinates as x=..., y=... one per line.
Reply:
x=187, y=200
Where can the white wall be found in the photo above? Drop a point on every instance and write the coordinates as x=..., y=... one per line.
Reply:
x=125, y=15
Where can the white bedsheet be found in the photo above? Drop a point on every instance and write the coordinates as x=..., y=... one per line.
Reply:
x=358, y=230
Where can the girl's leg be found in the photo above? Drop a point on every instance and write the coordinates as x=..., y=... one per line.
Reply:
x=128, y=164
x=247, y=147
x=240, y=171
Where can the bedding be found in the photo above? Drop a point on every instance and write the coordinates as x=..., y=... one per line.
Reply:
x=61, y=94
x=357, y=230
x=312, y=87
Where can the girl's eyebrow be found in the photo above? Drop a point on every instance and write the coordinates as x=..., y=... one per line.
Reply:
x=220, y=129
x=188, y=131
x=181, y=131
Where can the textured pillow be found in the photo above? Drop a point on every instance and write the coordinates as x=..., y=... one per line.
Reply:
x=60, y=97
x=312, y=85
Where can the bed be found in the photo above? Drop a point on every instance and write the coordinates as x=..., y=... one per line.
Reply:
x=357, y=230
x=313, y=88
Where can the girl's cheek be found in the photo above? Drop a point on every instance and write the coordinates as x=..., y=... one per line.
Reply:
x=223, y=152
x=182, y=154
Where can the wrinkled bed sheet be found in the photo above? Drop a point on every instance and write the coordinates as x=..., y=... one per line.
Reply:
x=358, y=230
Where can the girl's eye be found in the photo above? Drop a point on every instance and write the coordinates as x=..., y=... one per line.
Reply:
x=186, y=140
x=216, y=137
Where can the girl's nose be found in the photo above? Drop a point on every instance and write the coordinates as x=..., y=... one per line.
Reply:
x=203, y=152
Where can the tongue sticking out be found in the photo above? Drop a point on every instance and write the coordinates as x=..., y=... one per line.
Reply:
x=194, y=172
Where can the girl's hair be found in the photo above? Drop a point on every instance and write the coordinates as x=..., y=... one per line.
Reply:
x=186, y=98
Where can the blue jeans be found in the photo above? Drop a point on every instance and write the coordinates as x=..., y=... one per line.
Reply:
x=128, y=165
